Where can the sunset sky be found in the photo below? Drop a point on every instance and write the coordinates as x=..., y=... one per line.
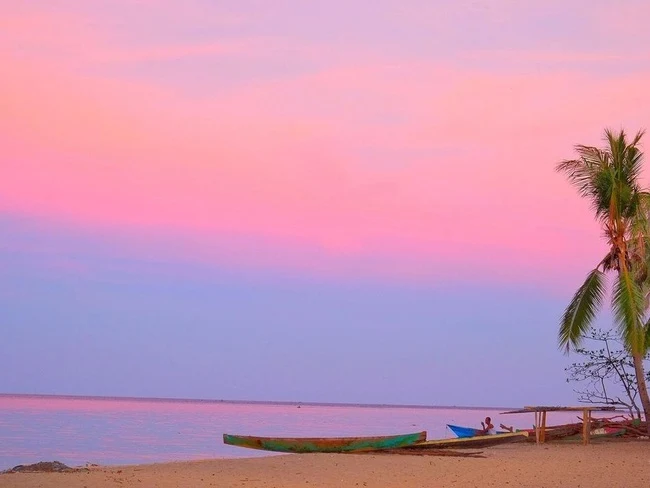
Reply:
x=291, y=200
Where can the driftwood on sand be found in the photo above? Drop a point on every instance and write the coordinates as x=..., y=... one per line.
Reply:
x=414, y=451
x=633, y=428
x=627, y=428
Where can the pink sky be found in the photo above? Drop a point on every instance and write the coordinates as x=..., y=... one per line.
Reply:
x=396, y=139
x=182, y=183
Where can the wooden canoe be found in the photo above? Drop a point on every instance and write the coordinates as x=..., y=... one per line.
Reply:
x=324, y=444
x=552, y=432
x=471, y=442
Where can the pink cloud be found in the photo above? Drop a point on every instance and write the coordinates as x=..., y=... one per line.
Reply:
x=517, y=56
x=77, y=38
x=622, y=18
x=178, y=51
x=374, y=167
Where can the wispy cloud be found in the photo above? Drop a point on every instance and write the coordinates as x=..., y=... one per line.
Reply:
x=147, y=159
x=550, y=58
x=374, y=162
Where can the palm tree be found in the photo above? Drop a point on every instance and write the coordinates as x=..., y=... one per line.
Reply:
x=609, y=178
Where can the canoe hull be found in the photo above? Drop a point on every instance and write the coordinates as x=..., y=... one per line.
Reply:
x=324, y=444
x=471, y=442
x=567, y=432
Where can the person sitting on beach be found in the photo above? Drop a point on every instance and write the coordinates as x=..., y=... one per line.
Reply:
x=488, y=428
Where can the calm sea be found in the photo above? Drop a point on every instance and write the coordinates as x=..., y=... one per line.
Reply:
x=76, y=431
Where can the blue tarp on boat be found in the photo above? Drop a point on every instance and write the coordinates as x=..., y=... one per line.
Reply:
x=468, y=431
x=463, y=431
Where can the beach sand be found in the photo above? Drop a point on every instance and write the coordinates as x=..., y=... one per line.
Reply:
x=606, y=465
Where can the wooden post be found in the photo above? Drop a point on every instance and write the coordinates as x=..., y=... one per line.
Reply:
x=586, y=426
x=537, y=415
x=542, y=435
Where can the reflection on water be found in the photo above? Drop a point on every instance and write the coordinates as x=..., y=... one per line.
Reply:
x=120, y=431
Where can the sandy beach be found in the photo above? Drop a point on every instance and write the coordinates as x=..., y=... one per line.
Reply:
x=599, y=465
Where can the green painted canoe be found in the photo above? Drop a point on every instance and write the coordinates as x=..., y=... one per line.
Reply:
x=324, y=444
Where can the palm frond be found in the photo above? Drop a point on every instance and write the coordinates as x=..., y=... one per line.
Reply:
x=579, y=174
x=609, y=262
x=580, y=313
x=627, y=164
x=639, y=237
x=605, y=196
x=583, y=172
x=628, y=304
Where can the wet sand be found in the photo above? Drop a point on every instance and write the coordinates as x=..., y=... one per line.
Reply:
x=606, y=465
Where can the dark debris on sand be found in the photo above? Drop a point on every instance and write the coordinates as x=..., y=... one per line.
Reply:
x=428, y=452
x=42, y=467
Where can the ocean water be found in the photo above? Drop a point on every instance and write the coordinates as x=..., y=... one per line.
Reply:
x=77, y=430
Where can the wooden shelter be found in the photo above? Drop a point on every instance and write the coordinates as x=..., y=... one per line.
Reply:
x=540, y=419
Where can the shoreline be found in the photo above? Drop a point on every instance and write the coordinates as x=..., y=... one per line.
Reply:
x=606, y=464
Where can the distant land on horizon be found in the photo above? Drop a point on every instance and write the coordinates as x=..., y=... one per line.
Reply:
x=248, y=402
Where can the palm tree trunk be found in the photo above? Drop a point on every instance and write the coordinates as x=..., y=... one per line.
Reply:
x=643, y=387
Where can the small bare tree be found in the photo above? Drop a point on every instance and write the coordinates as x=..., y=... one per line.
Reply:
x=607, y=373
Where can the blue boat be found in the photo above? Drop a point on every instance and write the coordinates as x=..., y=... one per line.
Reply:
x=467, y=431
x=463, y=431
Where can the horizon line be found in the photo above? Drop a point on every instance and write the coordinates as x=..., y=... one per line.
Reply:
x=253, y=402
